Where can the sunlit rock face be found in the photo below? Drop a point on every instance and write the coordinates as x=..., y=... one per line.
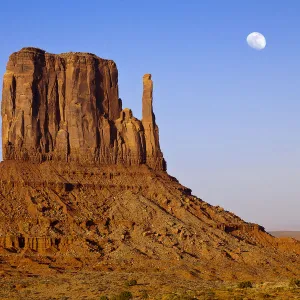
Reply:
x=66, y=108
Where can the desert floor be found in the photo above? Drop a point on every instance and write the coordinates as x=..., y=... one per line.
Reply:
x=94, y=285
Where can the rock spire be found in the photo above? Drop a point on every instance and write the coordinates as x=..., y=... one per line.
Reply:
x=150, y=128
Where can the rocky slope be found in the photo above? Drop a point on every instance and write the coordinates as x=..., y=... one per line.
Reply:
x=108, y=203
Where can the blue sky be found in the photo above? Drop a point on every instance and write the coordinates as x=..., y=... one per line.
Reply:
x=228, y=115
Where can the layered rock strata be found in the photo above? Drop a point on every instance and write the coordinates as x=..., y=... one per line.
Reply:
x=66, y=108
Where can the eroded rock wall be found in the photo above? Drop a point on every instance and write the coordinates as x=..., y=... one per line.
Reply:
x=66, y=108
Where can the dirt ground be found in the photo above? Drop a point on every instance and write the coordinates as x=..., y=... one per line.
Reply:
x=156, y=285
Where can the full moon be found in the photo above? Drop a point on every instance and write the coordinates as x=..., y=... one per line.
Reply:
x=256, y=41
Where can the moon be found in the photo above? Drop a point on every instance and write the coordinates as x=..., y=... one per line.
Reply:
x=256, y=41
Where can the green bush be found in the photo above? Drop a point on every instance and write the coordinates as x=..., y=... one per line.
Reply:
x=131, y=282
x=245, y=284
x=294, y=282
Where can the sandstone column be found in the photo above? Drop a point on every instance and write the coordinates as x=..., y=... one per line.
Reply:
x=154, y=156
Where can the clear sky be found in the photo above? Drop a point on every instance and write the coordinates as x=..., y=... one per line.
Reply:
x=228, y=114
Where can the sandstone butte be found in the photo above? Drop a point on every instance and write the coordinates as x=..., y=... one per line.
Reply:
x=83, y=184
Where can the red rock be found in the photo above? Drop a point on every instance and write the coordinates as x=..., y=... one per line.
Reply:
x=66, y=108
x=154, y=156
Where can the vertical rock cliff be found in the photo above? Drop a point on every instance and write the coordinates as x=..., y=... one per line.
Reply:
x=66, y=108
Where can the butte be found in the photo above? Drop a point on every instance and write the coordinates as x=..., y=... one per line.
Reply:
x=83, y=183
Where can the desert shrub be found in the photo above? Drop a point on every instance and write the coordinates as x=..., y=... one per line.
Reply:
x=239, y=297
x=176, y=297
x=103, y=298
x=169, y=297
x=294, y=283
x=131, y=282
x=126, y=295
x=266, y=296
x=209, y=295
x=245, y=284
x=144, y=295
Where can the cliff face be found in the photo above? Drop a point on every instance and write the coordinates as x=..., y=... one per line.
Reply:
x=66, y=108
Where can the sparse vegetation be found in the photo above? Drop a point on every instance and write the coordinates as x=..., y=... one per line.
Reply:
x=154, y=287
x=177, y=297
x=294, y=283
x=209, y=295
x=245, y=285
x=238, y=297
x=126, y=295
x=266, y=296
x=131, y=282
x=144, y=295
